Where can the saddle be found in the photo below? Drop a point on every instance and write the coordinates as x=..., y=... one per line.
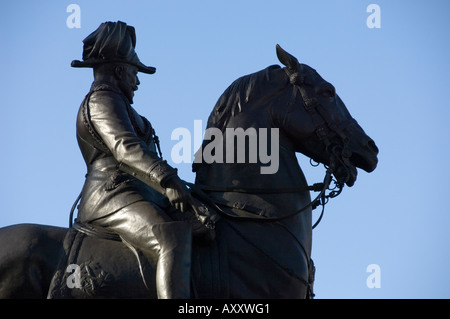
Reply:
x=88, y=267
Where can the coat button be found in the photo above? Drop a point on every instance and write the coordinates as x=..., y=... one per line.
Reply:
x=238, y=205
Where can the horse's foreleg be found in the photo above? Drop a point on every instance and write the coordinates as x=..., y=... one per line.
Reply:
x=29, y=255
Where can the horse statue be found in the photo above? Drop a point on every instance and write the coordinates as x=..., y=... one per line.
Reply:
x=263, y=238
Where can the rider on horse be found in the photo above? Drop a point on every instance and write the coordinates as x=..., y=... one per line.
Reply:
x=112, y=135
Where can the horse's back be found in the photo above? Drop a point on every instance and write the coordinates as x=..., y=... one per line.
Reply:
x=29, y=254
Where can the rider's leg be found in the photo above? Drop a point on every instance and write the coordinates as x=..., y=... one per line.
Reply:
x=174, y=262
x=149, y=229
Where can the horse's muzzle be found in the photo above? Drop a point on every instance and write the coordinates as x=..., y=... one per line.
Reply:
x=365, y=156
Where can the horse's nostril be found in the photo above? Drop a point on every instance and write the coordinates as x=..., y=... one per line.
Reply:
x=372, y=146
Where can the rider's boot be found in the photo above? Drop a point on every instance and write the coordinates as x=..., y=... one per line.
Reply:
x=174, y=263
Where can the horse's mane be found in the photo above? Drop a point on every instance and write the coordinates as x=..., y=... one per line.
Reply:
x=239, y=94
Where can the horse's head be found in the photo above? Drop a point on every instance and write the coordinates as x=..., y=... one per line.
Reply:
x=310, y=116
x=330, y=136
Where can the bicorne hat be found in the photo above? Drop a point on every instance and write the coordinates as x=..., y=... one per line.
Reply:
x=111, y=42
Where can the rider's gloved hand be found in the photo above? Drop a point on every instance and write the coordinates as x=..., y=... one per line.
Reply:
x=178, y=194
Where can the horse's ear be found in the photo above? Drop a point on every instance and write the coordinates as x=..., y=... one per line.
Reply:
x=288, y=60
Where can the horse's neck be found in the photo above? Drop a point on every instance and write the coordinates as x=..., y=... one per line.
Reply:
x=288, y=173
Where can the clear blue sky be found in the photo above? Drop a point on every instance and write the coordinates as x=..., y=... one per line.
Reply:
x=393, y=79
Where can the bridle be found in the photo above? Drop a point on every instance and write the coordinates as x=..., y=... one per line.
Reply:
x=325, y=128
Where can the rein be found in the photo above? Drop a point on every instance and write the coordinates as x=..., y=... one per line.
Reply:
x=321, y=199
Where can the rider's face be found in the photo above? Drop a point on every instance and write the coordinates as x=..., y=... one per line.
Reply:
x=128, y=80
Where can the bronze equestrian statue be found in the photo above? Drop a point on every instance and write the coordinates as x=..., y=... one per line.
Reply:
x=235, y=233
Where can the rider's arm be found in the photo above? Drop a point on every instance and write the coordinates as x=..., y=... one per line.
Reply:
x=109, y=117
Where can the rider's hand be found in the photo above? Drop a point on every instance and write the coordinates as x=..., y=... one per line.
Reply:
x=178, y=194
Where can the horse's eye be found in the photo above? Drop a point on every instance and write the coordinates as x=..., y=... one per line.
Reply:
x=327, y=91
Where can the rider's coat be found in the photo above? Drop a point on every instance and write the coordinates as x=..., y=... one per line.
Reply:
x=109, y=132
